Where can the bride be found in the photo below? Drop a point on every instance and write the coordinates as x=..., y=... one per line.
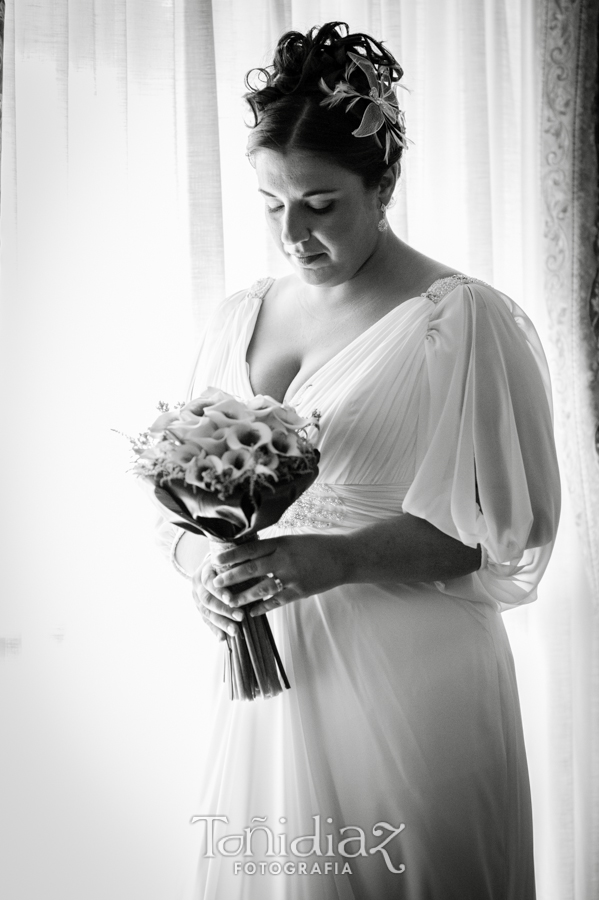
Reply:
x=395, y=765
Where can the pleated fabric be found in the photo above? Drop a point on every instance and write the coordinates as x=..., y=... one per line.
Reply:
x=399, y=747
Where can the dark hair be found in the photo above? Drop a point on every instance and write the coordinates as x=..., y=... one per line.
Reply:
x=286, y=100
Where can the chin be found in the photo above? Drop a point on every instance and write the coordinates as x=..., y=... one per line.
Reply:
x=320, y=275
x=314, y=276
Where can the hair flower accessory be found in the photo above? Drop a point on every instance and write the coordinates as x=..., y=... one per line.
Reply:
x=383, y=108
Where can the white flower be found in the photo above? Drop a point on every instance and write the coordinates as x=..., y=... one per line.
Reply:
x=228, y=411
x=277, y=415
x=195, y=470
x=182, y=454
x=205, y=430
x=162, y=422
x=216, y=444
x=285, y=443
x=250, y=434
x=240, y=460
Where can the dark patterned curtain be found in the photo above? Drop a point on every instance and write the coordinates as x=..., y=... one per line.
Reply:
x=571, y=199
x=570, y=32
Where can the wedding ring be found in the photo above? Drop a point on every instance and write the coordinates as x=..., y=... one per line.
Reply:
x=279, y=584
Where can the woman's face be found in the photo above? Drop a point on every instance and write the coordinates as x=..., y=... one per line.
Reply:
x=320, y=215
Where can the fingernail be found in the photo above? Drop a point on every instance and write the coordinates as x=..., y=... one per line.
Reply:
x=225, y=597
x=232, y=630
x=238, y=615
x=218, y=581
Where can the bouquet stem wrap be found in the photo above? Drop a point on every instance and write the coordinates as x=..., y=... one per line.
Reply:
x=253, y=667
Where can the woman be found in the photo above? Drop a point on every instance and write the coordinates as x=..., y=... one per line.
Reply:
x=397, y=756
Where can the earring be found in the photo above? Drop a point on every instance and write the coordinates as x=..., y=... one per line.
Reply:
x=383, y=224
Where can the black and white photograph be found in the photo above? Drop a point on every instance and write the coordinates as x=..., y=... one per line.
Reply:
x=299, y=341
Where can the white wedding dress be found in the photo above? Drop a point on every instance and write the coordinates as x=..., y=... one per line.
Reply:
x=403, y=708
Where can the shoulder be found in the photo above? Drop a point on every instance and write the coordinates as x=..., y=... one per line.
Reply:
x=258, y=289
x=454, y=286
x=461, y=299
x=272, y=293
x=237, y=302
x=471, y=320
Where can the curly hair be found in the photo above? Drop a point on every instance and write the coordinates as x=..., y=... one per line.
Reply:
x=287, y=100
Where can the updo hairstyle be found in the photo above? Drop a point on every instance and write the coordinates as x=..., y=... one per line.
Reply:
x=286, y=98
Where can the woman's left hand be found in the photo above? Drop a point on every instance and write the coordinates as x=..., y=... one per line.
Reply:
x=289, y=568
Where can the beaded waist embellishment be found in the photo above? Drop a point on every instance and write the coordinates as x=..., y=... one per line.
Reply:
x=318, y=507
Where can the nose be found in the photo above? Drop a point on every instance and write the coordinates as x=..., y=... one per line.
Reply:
x=294, y=227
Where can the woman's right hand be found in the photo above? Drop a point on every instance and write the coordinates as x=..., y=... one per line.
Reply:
x=220, y=618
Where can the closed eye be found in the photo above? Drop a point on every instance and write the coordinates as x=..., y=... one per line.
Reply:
x=319, y=210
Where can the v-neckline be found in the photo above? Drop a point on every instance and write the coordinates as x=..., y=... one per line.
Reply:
x=260, y=297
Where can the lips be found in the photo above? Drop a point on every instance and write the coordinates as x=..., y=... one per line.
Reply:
x=306, y=258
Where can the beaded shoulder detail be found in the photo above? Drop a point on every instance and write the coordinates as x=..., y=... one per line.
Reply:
x=260, y=287
x=442, y=286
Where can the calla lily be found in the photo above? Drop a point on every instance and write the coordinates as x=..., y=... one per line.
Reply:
x=195, y=408
x=216, y=467
x=239, y=460
x=190, y=431
x=286, y=419
x=216, y=463
x=285, y=443
x=195, y=470
x=251, y=434
x=228, y=411
x=210, y=397
x=216, y=444
x=275, y=414
x=187, y=415
x=163, y=422
x=184, y=453
x=155, y=451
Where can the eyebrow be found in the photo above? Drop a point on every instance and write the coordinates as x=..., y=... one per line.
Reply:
x=307, y=194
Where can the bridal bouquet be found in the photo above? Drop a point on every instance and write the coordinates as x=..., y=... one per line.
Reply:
x=226, y=469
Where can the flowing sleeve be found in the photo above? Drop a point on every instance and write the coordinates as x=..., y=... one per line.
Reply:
x=486, y=466
x=207, y=361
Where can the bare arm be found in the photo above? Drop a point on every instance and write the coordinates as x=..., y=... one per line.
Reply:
x=401, y=549
x=406, y=549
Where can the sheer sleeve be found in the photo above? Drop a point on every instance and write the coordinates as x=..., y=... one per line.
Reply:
x=167, y=538
x=486, y=469
x=209, y=356
x=207, y=359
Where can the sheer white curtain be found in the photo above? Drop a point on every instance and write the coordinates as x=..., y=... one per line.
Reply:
x=102, y=652
x=126, y=214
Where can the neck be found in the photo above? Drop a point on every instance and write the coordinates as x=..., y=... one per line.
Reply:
x=389, y=258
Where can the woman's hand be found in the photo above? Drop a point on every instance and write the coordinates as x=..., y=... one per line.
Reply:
x=288, y=568
x=403, y=548
x=219, y=617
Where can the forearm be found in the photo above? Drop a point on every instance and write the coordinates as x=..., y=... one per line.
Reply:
x=287, y=568
x=404, y=548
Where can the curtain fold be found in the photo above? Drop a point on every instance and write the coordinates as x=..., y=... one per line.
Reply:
x=569, y=180
x=204, y=179
x=2, y=14
x=128, y=210
x=568, y=37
